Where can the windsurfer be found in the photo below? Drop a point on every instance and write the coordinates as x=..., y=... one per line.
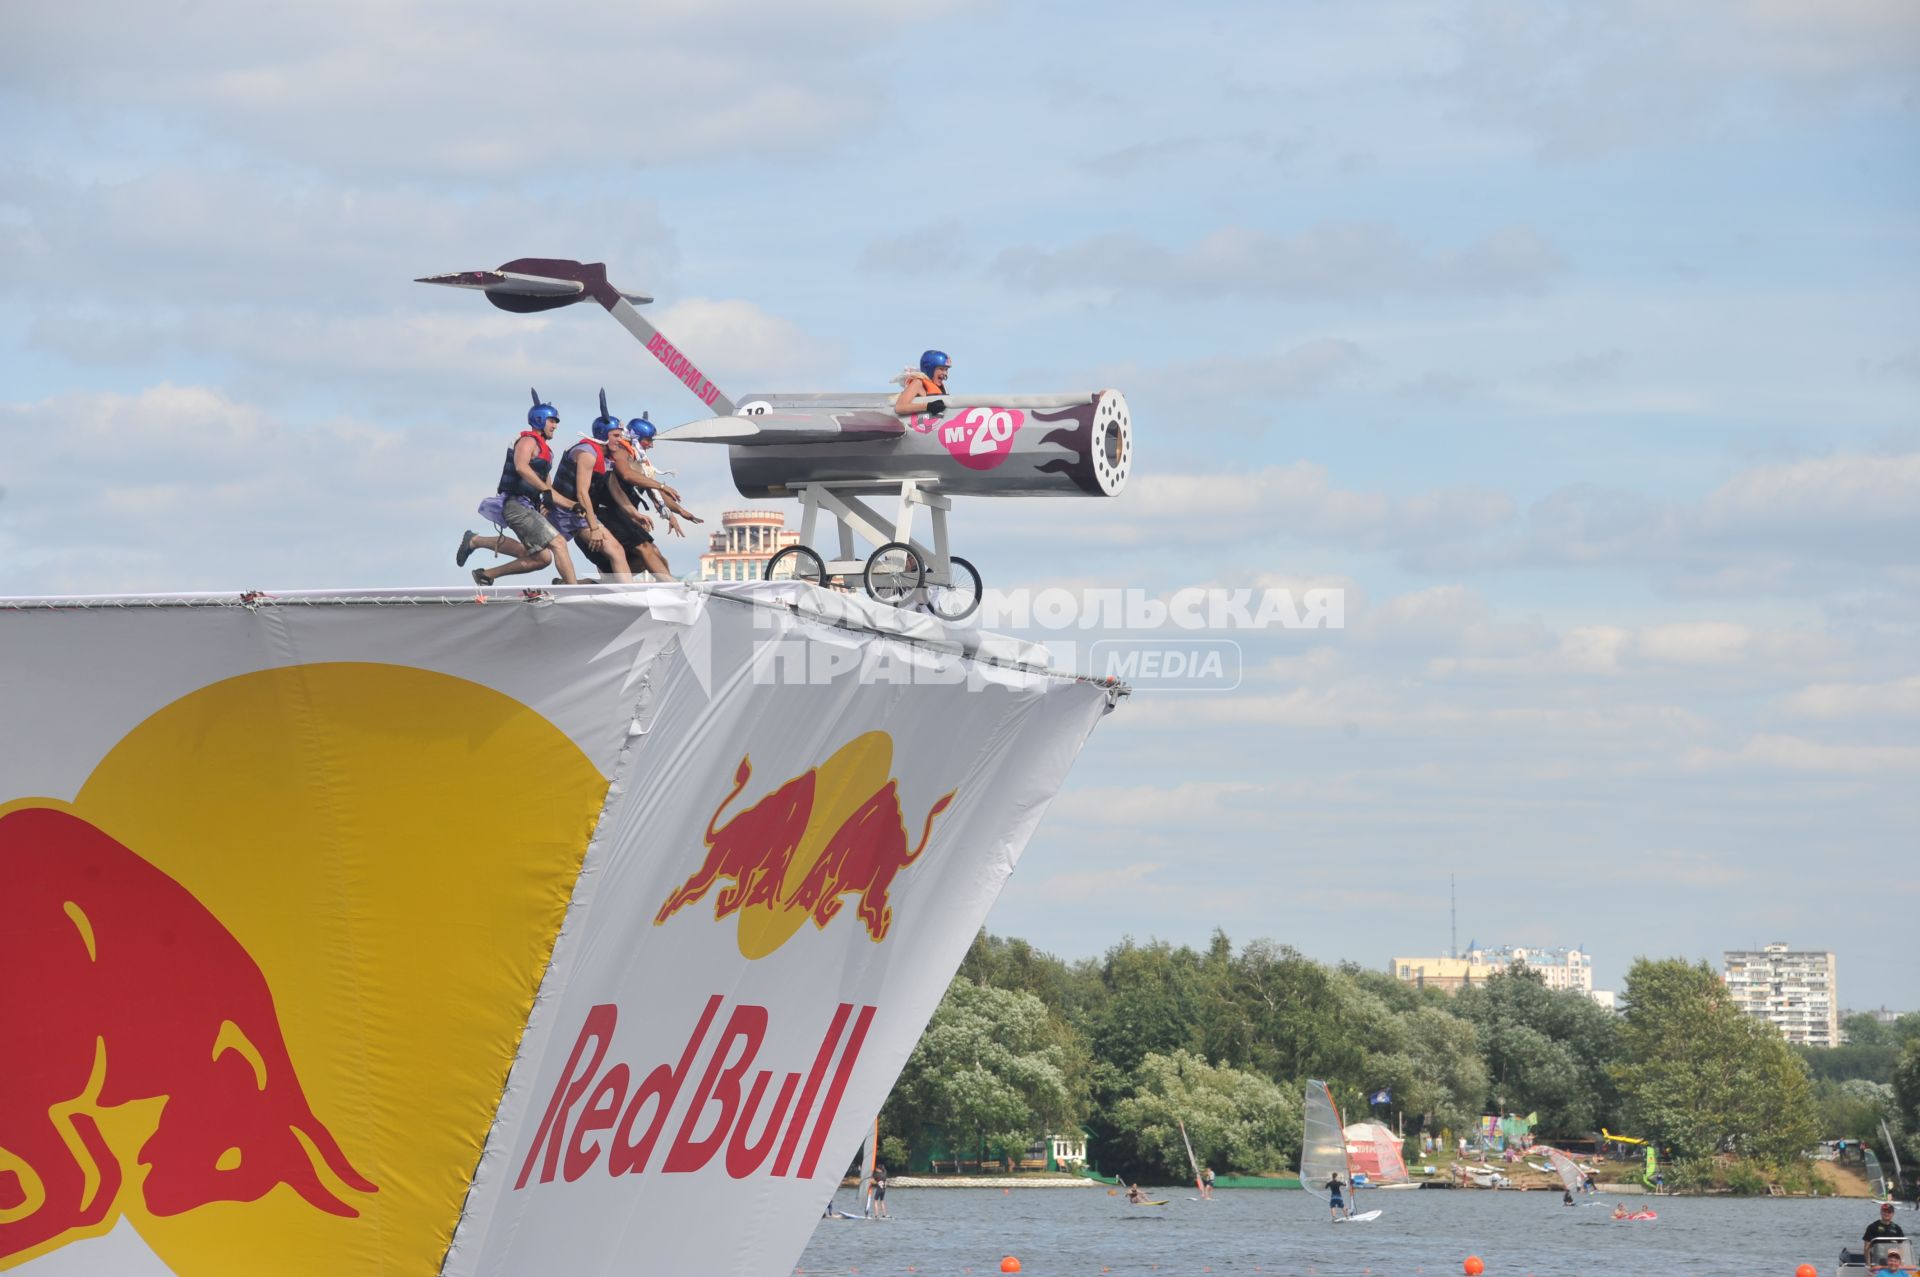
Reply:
x=880, y=1191
x=1566, y=1197
x=1206, y=1182
x=1335, y=1204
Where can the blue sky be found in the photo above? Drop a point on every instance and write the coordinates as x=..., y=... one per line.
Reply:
x=1577, y=343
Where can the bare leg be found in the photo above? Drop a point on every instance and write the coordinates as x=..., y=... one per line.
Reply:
x=525, y=563
x=501, y=545
x=654, y=561
x=562, y=559
x=617, y=569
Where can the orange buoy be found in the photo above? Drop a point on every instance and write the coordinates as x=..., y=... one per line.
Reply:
x=1473, y=1267
x=1009, y=1265
x=1806, y=1270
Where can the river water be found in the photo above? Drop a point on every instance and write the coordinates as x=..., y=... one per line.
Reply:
x=1067, y=1232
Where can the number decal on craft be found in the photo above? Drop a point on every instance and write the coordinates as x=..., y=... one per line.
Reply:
x=758, y=408
x=982, y=437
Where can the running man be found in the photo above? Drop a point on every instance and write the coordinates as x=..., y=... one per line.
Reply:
x=523, y=496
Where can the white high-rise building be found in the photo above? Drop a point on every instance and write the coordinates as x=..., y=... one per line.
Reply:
x=1794, y=989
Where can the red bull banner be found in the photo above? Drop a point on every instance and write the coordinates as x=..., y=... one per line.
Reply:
x=478, y=934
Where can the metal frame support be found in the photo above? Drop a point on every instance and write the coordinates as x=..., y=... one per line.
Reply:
x=853, y=515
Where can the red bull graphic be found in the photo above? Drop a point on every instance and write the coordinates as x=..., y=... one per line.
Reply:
x=619, y=1129
x=126, y=995
x=833, y=831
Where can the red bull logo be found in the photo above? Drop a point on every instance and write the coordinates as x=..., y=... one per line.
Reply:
x=130, y=1006
x=833, y=831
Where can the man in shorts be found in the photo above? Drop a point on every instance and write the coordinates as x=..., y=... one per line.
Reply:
x=519, y=503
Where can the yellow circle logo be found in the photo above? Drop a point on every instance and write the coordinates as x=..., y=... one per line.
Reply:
x=282, y=946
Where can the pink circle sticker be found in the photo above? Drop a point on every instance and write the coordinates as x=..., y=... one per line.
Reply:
x=981, y=438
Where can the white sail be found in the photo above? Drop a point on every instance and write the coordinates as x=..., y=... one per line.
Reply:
x=1323, y=1150
x=1565, y=1168
x=1192, y=1161
x=869, y=1157
x=1899, y=1176
x=1876, y=1178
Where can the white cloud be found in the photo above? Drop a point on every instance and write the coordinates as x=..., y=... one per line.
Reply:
x=188, y=486
x=1334, y=261
x=482, y=94
x=1781, y=753
x=1582, y=80
x=1841, y=491
x=1896, y=699
x=1297, y=502
x=742, y=343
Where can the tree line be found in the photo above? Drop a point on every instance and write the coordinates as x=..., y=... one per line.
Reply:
x=1129, y=1046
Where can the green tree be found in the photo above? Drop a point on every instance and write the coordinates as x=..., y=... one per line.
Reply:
x=1549, y=1051
x=1427, y=1057
x=993, y=1071
x=1906, y=1098
x=1703, y=1078
x=1236, y=1120
x=1853, y=1109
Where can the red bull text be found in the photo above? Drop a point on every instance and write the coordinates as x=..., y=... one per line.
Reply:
x=620, y=1125
x=123, y=987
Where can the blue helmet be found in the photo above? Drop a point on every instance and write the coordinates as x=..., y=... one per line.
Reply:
x=541, y=413
x=606, y=423
x=640, y=428
x=934, y=359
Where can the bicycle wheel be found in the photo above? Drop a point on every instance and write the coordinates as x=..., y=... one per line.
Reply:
x=960, y=599
x=799, y=563
x=894, y=572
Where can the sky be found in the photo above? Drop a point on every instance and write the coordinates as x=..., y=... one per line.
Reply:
x=1576, y=345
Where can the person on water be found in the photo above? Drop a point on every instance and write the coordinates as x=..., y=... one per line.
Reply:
x=523, y=495
x=1335, y=1203
x=880, y=1190
x=1566, y=1197
x=1206, y=1182
x=1134, y=1196
x=926, y=390
x=1882, y=1227
x=1620, y=1211
x=1890, y=1266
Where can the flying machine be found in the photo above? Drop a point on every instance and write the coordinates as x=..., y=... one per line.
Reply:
x=831, y=450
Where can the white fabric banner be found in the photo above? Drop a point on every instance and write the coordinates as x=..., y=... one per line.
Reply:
x=787, y=874
x=790, y=811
